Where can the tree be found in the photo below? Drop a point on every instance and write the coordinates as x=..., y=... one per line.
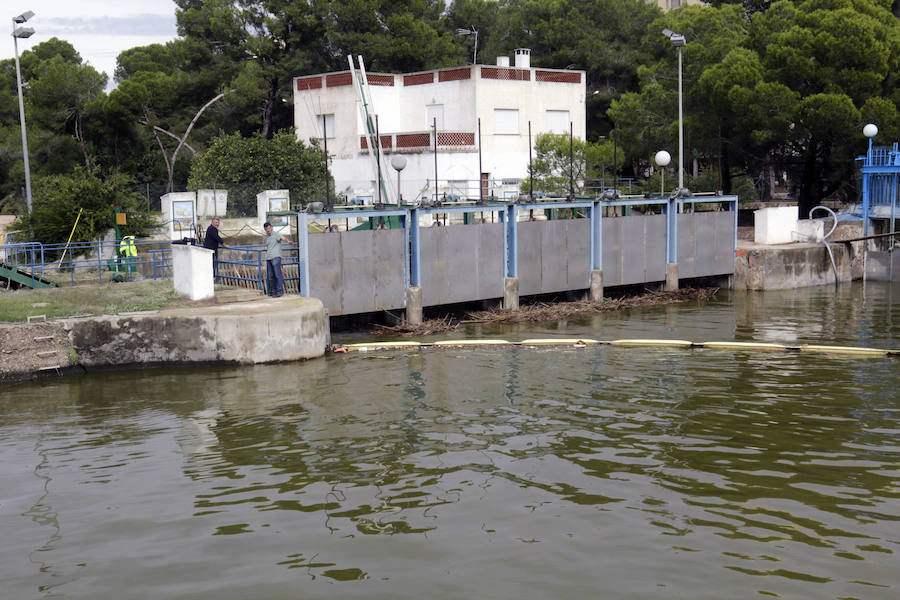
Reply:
x=249, y=165
x=557, y=163
x=59, y=198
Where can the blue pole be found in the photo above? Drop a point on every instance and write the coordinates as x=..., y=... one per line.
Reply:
x=672, y=230
x=303, y=253
x=596, y=236
x=414, y=268
x=512, y=257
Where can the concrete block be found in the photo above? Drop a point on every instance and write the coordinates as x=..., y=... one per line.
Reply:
x=414, y=305
x=811, y=230
x=775, y=225
x=597, y=285
x=511, y=293
x=672, y=277
x=192, y=271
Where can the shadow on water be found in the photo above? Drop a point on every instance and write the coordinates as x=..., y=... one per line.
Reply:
x=480, y=473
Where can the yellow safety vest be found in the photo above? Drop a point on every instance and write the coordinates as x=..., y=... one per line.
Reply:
x=127, y=247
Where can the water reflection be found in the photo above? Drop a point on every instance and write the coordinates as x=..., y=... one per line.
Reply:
x=485, y=473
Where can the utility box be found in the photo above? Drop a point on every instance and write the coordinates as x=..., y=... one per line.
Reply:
x=192, y=271
x=180, y=214
x=274, y=201
x=211, y=203
x=775, y=225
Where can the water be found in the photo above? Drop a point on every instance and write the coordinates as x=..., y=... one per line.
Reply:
x=487, y=473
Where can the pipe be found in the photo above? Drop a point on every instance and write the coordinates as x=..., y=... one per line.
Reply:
x=825, y=238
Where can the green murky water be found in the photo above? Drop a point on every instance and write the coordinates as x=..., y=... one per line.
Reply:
x=513, y=473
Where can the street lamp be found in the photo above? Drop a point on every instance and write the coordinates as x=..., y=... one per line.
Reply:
x=23, y=32
x=471, y=31
x=662, y=160
x=677, y=40
x=870, y=131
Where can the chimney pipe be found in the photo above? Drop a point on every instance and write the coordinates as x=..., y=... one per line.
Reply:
x=523, y=58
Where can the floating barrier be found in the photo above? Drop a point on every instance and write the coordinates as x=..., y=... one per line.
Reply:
x=747, y=346
x=626, y=343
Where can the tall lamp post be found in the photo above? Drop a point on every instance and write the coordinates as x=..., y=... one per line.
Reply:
x=677, y=40
x=23, y=32
x=471, y=31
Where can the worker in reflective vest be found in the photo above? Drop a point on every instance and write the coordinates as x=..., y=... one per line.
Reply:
x=127, y=247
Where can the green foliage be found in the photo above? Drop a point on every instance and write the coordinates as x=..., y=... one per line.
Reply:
x=249, y=165
x=556, y=160
x=59, y=198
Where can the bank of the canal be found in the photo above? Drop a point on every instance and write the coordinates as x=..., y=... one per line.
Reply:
x=258, y=331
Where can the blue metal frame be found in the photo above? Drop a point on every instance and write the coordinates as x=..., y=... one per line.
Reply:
x=880, y=172
x=158, y=253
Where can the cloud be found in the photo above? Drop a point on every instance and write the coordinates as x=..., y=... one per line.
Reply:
x=144, y=25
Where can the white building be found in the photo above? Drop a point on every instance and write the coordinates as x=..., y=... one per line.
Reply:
x=503, y=99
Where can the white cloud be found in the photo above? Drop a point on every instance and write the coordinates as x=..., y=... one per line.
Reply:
x=98, y=29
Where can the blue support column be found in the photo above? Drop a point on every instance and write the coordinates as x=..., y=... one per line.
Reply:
x=414, y=250
x=672, y=231
x=512, y=245
x=596, y=236
x=303, y=252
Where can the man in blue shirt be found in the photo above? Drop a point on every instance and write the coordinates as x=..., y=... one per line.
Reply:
x=274, y=275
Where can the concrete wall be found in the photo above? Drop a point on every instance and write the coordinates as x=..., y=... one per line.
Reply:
x=882, y=266
x=258, y=332
x=801, y=265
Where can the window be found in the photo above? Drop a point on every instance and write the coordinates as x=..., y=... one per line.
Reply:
x=556, y=121
x=329, y=124
x=506, y=121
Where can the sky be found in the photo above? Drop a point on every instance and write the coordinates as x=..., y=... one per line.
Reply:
x=98, y=29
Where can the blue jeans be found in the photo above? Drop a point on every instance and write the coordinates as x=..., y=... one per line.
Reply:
x=274, y=277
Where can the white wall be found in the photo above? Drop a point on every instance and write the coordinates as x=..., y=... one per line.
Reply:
x=404, y=109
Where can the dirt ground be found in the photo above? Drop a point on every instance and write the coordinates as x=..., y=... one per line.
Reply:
x=33, y=348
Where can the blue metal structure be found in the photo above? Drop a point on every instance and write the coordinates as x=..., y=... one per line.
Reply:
x=881, y=176
x=246, y=264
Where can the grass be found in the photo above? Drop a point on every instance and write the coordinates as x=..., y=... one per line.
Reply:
x=100, y=299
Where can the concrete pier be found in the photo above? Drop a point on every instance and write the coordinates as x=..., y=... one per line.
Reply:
x=414, y=305
x=671, y=277
x=596, y=294
x=260, y=331
x=511, y=293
